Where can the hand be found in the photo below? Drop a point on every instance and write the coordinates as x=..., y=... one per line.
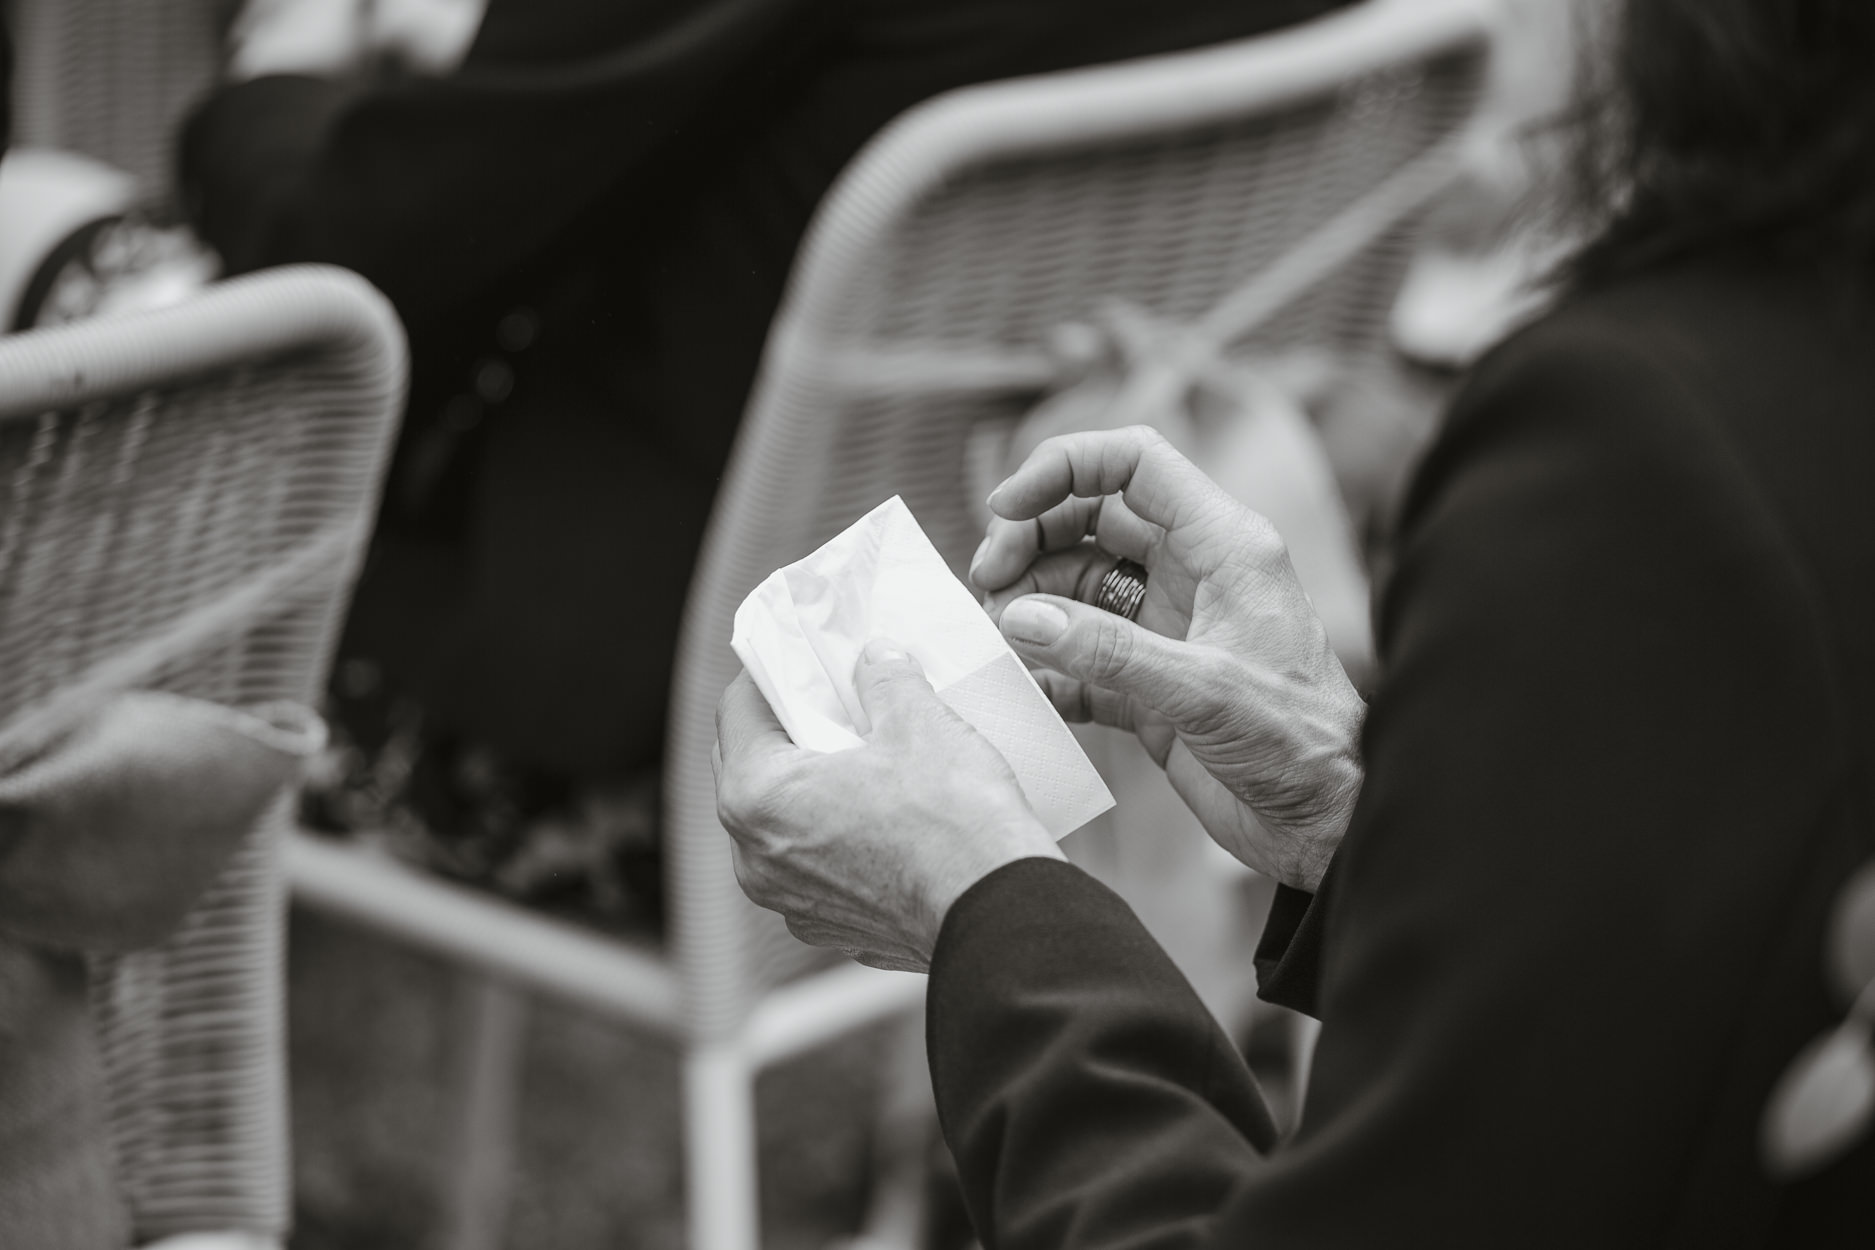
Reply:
x=866, y=850
x=1228, y=678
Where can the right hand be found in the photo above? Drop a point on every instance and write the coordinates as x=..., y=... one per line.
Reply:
x=1228, y=677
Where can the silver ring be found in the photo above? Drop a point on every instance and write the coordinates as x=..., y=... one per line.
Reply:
x=1122, y=590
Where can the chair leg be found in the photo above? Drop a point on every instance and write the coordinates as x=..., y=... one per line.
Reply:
x=493, y=1021
x=902, y=1135
x=719, y=1139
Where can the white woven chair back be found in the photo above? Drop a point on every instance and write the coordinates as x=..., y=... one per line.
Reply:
x=184, y=499
x=1267, y=190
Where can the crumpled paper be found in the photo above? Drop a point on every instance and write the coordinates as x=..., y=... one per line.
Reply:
x=801, y=631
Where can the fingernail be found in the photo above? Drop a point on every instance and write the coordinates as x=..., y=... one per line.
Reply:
x=883, y=651
x=994, y=496
x=1034, y=621
x=983, y=549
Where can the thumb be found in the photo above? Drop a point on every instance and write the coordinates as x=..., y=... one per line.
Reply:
x=1105, y=650
x=892, y=686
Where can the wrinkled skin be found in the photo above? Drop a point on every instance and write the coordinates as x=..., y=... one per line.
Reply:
x=865, y=850
x=1227, y=677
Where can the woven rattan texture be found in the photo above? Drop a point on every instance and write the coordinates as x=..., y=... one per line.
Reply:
x=112, y=78
x=198, y=533
x=1009, y=251
x=995, y=254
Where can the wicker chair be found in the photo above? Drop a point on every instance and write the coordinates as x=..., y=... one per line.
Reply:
x=184, y=499
x=1282, y=175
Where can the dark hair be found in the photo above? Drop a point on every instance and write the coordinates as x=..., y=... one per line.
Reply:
x=1729, y=124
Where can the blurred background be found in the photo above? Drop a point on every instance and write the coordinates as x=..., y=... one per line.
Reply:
x=661, y=295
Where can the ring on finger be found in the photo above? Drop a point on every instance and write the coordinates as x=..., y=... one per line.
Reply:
x=1122, y=590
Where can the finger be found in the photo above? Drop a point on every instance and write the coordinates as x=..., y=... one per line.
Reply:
x=1080, y=703
x=1074, y=574
x=747, y=730
x=893, y=690
x=1186, y=684
x=1009, y=547
x=1159, y=484
x=1220, y=812
x=1125, y=533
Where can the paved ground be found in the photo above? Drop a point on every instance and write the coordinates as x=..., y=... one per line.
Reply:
x=598, y=1164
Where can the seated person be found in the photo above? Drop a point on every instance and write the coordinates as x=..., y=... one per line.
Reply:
x=1561, y=897
x=586, y=225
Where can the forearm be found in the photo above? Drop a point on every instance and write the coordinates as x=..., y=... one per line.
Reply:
x=1089, y=1098
x=435, y=188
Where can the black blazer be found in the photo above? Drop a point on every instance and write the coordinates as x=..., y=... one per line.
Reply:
x=1618, y=766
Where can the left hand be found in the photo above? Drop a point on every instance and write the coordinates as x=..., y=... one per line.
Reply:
x=865, y=850
x=1226, y=674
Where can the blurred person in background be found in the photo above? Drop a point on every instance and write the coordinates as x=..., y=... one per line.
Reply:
x=585, y=212
x=1561, y=896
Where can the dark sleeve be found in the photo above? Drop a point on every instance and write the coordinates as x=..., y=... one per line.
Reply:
x=1592, y=767
x=1088, y=1095
x=433, y=187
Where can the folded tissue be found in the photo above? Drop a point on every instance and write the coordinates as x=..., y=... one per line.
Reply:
x=800, y=633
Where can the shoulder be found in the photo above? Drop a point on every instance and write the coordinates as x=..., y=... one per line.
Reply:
x=1680, y=459
x=1736, y=349
x=1743, y=382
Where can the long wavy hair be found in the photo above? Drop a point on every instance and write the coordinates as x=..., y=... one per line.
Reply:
x=1727, y=124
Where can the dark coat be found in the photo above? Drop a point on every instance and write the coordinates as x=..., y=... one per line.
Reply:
x=634, y=179
x=1618, y=766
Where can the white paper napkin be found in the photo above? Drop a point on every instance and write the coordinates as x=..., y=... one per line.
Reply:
x=801, y=631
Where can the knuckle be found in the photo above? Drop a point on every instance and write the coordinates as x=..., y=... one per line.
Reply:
x=1146, y=437
x=1056, y=446
x=729, y=795
x=1110, y=651
x=747, y=801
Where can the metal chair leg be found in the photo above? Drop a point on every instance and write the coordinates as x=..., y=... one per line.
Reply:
x=719, y=1126
x=902, y=1134
x=493, y=1022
